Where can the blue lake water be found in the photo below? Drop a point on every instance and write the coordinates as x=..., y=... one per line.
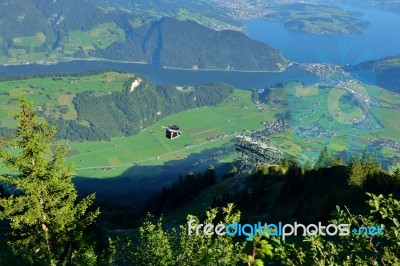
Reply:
x=380, y=39
x=243, y=80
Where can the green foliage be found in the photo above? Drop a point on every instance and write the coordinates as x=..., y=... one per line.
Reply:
x=184, y=190
x=216, y=250
x=46, y=222
x=289, y=191
x=360, y=168
x=308, y=165
x=357, y=174
x=261, y=248
x=396, y=173
x=172, y=43
x=385, y=69
x=325, y=159
x=158, y=246
x=155, y=245
x=128, y=112
x=369, y=162
x=340, y=250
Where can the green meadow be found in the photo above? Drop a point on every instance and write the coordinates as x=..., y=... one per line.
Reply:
x=318, y=117
x=151, y=147
x=99, y=37
x=52, y=94
x=31, y=41
x=323, y=117
x=77, y=41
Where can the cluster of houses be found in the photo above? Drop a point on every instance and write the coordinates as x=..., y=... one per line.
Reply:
x=221, y=136
x=314, y=130
x=388, y=144
x=276, y=127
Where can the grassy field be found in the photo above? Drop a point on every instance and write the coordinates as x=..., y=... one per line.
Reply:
x=98, y=37
x=323, y=117
x=122, y=166
x=341, y=110
x=31, y=41
x=52, y=94
x=151, y=147
x=318, y=118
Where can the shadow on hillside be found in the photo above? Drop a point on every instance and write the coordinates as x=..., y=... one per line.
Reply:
x=136, y=184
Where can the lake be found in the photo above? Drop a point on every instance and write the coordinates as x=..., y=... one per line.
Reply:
x=381, y=39
x=243, y=80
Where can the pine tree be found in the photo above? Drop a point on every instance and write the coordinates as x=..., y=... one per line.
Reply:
x=396, y=173
x=308, y=165
x=46, y=221
x=337, y=161
x=370, y=162
x=324, y=160
x=357, y=174
x=2, y=192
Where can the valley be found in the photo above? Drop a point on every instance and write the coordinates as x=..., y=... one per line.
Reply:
x=126, y=126
x=300, y=119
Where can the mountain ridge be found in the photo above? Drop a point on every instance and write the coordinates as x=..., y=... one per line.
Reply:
x=386, y=71
x=171, y=43
x=34, y=31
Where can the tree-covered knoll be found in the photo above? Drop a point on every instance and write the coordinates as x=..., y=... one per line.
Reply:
x=128, y=112
x=385, y=72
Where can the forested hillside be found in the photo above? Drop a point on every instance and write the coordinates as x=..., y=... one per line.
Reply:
x=172, y=43
x=385, y=72
x=132, y=110
x=47, y=32
x=40, y=211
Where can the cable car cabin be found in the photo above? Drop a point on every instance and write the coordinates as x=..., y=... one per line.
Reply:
x=172, y=132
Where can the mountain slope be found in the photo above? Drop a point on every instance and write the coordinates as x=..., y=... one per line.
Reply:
x=50, y=31
x=171, y=43
x=21, y=18
x=384, y=72
x=71, y=14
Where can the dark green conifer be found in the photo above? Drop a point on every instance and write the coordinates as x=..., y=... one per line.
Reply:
x=45, y=218
x=324, y=160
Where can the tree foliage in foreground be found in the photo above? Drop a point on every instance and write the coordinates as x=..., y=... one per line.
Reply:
x=46, y=221
x=341, y=250
x=47, y=224
x=158, y=246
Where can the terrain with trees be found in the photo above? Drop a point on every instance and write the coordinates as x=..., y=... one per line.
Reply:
x=42, y=32
x=47, y=225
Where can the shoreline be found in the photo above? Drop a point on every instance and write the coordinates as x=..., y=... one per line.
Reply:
x=229, y=70
x=141, y=63
x=66, y=60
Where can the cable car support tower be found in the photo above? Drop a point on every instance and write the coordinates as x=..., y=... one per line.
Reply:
x=254, y=150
